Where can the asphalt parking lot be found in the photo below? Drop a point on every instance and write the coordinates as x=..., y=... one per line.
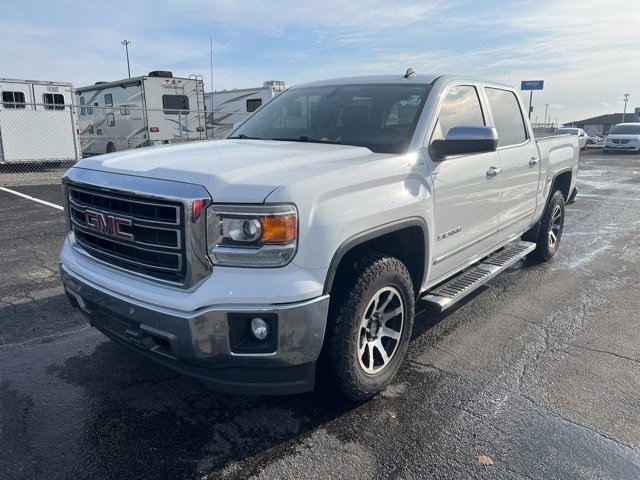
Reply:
x=539, y=371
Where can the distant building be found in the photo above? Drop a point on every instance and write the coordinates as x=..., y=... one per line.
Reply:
x=602, y=125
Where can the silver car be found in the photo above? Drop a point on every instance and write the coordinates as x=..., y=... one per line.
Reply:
x=582, y=135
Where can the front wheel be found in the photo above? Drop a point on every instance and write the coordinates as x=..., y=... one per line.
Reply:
x=551, y=227
x=370, y=326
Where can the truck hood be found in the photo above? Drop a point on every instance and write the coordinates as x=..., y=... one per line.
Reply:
x=234, y=170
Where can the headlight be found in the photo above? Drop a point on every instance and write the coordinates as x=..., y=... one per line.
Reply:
x=252, y=236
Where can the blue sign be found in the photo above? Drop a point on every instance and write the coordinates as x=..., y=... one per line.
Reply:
x=532, y=85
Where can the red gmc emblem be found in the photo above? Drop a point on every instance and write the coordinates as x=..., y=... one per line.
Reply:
x=108, y=224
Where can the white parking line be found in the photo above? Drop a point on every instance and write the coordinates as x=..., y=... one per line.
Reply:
x=28, y=197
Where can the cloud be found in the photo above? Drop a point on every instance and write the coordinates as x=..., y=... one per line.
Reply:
x=585, y=55
x=277, y=16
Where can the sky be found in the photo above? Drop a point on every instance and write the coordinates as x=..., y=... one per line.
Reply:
x=586, y=52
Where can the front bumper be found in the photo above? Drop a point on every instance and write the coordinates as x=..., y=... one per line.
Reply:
x=635, y=147
x=198, y=344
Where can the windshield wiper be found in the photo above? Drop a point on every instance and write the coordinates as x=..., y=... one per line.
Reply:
x=242, y=136
x=304, y=138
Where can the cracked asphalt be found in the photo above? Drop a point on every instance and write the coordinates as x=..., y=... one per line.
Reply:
x=539, y=370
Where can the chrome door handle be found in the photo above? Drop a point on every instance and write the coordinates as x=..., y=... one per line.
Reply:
x=493, y=171
x=533, y=161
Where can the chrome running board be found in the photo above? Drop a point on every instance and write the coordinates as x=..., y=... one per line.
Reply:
x=466, y=282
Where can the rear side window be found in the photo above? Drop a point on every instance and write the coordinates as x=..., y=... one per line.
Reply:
x=172, y=103
x=507, y=116
x=53, y=101
x=461, y=106
x=13, y=99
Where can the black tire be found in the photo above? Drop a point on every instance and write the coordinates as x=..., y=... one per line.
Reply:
x=350, y=347
x=111, y=147
x=551, y=227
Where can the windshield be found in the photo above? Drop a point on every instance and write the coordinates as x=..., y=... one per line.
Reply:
x=626, y=129
x=566, y=131
x=381, y=117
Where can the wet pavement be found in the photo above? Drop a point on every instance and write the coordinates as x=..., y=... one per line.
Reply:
x=539, y=370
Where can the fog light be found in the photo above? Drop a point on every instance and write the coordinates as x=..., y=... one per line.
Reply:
x=259, y=328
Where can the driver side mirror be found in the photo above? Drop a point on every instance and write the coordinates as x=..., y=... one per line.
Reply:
x=465, y=139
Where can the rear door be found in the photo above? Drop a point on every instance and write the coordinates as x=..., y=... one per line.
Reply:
x=466, y=197
x=520, y=161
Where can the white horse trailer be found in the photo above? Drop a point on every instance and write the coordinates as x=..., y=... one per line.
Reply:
x=137, y=112
x=228, y=107
x=37, y=122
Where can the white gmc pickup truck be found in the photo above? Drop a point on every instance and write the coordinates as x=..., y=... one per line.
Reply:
x=306, y=237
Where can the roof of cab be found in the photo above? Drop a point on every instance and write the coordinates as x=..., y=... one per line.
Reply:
x=417, y=79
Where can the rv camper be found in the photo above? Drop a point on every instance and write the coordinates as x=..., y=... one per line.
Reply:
x=137, y=112
x=228, y=107
x=37, y=122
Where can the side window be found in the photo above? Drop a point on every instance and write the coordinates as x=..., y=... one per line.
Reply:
x=111, y=120
x=125, y=110
x=53, y=101
x=83, y=110
x=13, y=100
x=253, y=104
x=507, y=116
x=461, y=106
x=108, y=100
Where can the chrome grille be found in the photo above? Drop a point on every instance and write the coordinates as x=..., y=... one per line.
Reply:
x=142, y=235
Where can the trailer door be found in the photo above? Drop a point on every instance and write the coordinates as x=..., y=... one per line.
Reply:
x=52, y=128
x=15, y=115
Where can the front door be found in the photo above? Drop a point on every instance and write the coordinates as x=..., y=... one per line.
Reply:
x=466, y=190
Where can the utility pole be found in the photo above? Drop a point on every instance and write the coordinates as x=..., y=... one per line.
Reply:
x=211, y=64
x=626, y=99
x=126, y=44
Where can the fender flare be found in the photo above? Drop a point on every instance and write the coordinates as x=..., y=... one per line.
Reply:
x=534, y=231
x=368, y=235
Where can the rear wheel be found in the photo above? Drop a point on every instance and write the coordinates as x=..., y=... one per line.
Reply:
x=551, y=227
x=111, y=147
x=370, y=326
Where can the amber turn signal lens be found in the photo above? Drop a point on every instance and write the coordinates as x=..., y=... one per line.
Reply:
x=280, y=229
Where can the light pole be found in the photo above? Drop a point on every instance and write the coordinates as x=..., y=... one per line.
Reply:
x=126, y=44
x=546, y=108
x=626, y=99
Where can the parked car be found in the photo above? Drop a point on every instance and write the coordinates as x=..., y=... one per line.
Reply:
x=580, y=133
x=594, y=140
x=306, y=237
x=624, y=137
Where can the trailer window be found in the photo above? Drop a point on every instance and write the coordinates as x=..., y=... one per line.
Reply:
x=83, y=109
x=253, y=104
x=111, y=120
x=13, y=99
x=53, y=101
x=108, y=100
x=172, y=104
